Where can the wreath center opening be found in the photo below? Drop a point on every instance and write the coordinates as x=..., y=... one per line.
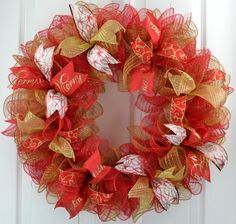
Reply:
x=116, y=115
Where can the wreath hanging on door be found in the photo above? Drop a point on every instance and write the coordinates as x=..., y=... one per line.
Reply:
x=53, y=109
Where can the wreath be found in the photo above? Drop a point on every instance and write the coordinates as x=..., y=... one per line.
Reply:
x=53, y=109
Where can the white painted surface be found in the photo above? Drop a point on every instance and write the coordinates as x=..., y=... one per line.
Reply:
x=20, y=203
x=220, y=196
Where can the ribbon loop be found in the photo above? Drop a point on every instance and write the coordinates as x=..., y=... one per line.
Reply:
x=165, y=192
x=131, y=164
x=100, y=59
x=142, y=50
x=153, y=28
x=27, y=79
x=72, y=47
x=85, y=21
x=95, y=167
x=61, y=145
x=182, y=84
x=67, y=81
x=215, y=153
x=56, y=101
x=107, y=32
x=43, y=58
x=179, y=136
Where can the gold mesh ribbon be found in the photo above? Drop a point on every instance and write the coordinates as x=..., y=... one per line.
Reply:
x=52, y=172
x=218, y=116
x=35, y=156
x=31, y=123
x=215, y=95
x=94, y=111
x=73, y=46
x=62, y=146
x=182, y=84
x=137, y=133
x=171, y=174
x=132, y=62
x=87, y=131
x=107, y=33
x=144, y=193
x=176, y=157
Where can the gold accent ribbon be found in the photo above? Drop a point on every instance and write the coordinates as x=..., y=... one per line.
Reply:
x=62, y=146
x=176, y=157
x=182, y=84
x=215, y=95
x=138, y=134
x=51, y=173
x=169, y=174
x=145, y=194
x=107, y=32
x=132, y=62
x=74, y=46
x=31, y=123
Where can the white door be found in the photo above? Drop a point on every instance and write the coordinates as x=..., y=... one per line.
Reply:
x=21, y=204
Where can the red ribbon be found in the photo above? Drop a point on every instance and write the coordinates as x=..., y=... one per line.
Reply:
x=98, y=171
x=153, y=28
x=72, y=179
x=67, y=81
x=72, y=201
x=198, y=165
x=28, y=79
x=142, y=78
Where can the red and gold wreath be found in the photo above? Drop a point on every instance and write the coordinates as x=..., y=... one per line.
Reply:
x=53, y=109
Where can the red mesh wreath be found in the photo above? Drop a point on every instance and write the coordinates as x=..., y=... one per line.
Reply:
x=53, y=109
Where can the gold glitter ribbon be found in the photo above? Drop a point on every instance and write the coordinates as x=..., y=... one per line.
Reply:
x=62, y=146
x=215, y=95
x=185, y=84
x=52, y=172
x=182, y=84
x=31, y=123
x=74, y=46
x=144, y=193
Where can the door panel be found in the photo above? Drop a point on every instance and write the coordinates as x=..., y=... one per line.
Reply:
x=220, y=196
x=9, y=43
